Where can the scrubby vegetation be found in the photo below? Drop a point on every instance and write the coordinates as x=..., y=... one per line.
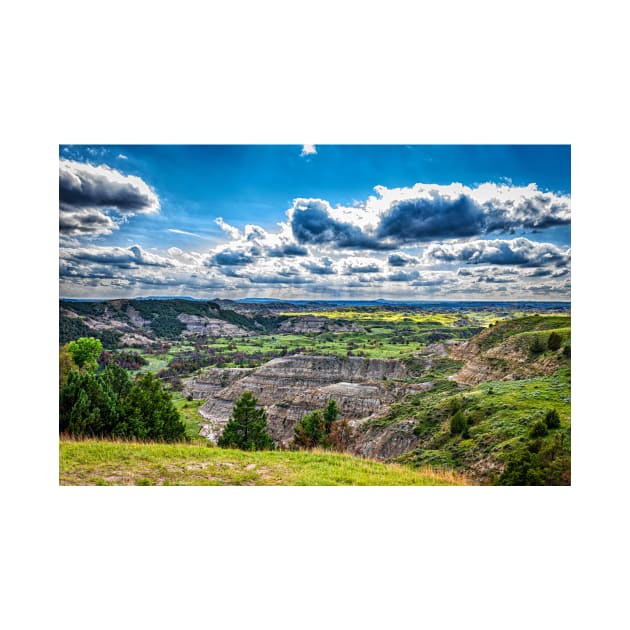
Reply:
x=314, y=429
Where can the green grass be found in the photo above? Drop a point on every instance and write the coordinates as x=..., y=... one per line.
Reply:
x=188, y=410
x=500, y=415
x=123, y=463
x=531, y=323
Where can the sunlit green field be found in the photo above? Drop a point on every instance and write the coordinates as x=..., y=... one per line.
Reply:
x=386, y=334
x=431, y=318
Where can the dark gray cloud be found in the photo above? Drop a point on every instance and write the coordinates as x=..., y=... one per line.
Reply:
x=427, y=213
x=322, y=267
x=495, y=279
x=85, y=222
x=535, y=213
x=231, y=257
x=403, y=276
x=436, y=281
x=287, y=249
x=540, y=272
x=421, y=220
x=362, y=268
x=312, y=223
x=88, y=194
x=278, y=279
x=86, y=186
x=519, y=252
x=559, y=273
x=400, y=260
x=121, y=257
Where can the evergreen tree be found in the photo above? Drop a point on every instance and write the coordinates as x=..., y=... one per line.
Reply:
x=552, y=419
x=87, y=405
x=458, y=423
x=149, y=413
x=554, y=342
x=310, y=431
x=108, y=404
x=247, y=427
x=537, y=346
x=330, y=414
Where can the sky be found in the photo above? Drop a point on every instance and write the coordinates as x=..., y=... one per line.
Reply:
x=351, y=222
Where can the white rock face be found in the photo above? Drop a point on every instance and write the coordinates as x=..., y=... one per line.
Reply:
x=312, y=324
x=210, y=326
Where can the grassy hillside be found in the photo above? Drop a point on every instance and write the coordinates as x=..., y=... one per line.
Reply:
x=516, y=349
x=500, y=417
x=532, y=323
x=123, y=463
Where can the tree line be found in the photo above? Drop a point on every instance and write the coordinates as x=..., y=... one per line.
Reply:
x=105, y=402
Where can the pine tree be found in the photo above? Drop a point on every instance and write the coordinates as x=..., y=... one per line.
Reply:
x=330, y=414
x=247, y=428
x=458, y=423
x=149, y=412
x=552, y=419
x=554, y=342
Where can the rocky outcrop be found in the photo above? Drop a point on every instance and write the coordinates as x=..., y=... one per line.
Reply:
x=508, y=360
x=305, y=324
x=384, y=443
x=135, y=318
x=136, y=340
x=289, y=387
x=211, y=381
x=197, y=325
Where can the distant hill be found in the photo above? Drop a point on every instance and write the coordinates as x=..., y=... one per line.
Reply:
x=140, y=322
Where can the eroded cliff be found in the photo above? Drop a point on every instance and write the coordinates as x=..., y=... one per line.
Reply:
x=290, y=387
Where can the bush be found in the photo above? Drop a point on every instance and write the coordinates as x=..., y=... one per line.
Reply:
x=554, y=342
x=247, y=428
x=539, y=429
x=458, y=423
x=537, y=346
x=340, y=436
x=314, y=429
x=539, y=464
x=552, y=419
x=566, y=352
x=310, y=431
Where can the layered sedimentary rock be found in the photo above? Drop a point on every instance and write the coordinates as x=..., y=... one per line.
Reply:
x=305, y=324
x=213, y=327
x=383, y=443
x=211, y=381
x=289, y=387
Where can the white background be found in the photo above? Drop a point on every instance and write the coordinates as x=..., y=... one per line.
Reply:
x=325, y=72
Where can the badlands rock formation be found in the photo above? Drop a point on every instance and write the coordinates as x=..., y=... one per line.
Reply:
x=305, y=324
x=289, y=387
x=210, y=326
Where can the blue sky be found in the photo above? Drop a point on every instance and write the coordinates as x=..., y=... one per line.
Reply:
x=353, y=222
